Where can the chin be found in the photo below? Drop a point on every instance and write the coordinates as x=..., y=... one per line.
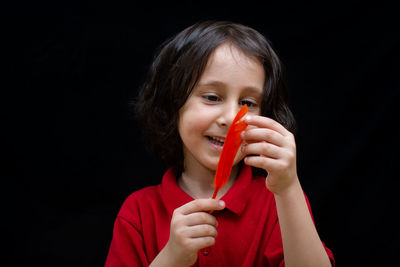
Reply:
x=236, y=162
x=212, y=166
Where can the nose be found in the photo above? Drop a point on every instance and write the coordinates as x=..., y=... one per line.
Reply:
x=228, y=113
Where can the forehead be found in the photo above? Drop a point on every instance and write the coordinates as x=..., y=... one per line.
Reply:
x=231, y=66
x=226, y=52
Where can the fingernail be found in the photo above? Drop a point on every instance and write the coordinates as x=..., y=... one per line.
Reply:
x=221, y=203
x=248, y=118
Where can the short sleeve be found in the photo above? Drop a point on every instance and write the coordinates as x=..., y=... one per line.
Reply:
x=127, y=246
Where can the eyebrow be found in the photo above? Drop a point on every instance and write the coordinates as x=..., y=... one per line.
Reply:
x=221, y=84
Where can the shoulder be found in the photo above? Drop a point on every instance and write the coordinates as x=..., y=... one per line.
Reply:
x=144, y=193
x=138, y=201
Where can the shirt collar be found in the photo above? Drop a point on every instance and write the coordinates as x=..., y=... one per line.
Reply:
x=235, y=199
x=237, y=196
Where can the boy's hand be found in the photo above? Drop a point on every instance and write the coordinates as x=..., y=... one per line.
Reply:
x=271, y=147
x=192, y=228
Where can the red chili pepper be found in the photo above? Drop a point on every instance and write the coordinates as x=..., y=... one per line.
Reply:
x=229, y=150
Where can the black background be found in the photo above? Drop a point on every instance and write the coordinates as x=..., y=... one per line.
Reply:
x=70, y=153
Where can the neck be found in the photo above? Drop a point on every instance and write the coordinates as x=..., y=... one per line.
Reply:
x=197, y=181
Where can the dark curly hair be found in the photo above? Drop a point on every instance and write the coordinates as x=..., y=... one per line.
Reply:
x=178, y=66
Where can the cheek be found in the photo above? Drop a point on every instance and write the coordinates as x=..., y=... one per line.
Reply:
x=190, y=126
x=196, y=120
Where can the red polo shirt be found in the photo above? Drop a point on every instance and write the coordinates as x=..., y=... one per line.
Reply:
x=248, y=228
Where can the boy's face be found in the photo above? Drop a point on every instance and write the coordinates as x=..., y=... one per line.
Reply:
x=230, y=80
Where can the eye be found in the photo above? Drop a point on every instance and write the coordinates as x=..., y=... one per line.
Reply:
x=211, y=98
x=250, y=103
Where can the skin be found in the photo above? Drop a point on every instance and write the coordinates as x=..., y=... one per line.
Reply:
x=277, y=155
x=230, y=80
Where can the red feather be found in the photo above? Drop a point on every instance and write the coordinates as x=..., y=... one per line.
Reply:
x=229, y=150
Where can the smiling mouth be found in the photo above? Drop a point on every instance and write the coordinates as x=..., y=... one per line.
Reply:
x=216, y=141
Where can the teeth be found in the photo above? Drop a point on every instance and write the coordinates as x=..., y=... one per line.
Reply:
x=217, y=140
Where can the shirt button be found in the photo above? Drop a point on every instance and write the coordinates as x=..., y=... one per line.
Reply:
x=205, y=252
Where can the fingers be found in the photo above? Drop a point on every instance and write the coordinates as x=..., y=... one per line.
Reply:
x=264, y=149
x=193, y=227
x=267, y=137
x=269, y=146
x=264, y=122
x=202, y=205
x=268, y=164
x=263, y=134
x=201, y=230
x=201, y=218
x=201, y=242
x=193, y=220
